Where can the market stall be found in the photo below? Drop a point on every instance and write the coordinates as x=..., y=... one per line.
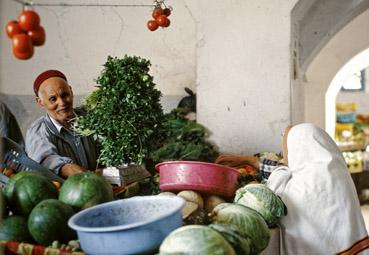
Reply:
x=352, y=137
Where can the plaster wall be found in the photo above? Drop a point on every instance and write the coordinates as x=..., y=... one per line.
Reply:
x=238, y=63
x=79, y=39
x=244, y=73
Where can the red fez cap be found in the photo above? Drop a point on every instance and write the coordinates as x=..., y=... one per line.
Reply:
x=46, y=75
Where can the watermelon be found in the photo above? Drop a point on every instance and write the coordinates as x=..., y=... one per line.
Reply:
x=14, y=228
x=3, y=208
x=48, y=222
x=30, y=190
x=84, y=190
x=9, y=187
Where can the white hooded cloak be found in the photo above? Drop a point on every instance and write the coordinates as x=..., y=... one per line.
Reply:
x=324, y=215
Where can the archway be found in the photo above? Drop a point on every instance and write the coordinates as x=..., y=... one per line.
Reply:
x=327, y=34
x=359, y=62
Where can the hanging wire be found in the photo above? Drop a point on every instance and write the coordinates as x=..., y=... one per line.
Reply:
x=81, y=5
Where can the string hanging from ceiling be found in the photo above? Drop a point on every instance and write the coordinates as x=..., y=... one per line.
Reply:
x=31, y=3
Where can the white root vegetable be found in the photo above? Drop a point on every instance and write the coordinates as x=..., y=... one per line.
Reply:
x=211, y=202
x=167, y=193
x=192, y=196
x=188, y=209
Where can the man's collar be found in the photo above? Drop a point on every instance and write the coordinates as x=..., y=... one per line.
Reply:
x=56, y=124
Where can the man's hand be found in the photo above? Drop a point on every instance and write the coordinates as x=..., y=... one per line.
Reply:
x=237, y=161
x=71, y=169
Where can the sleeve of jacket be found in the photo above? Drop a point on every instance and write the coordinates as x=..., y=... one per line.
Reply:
x=3, y=121
x=40, y=148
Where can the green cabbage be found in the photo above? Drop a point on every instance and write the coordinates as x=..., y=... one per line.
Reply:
x=241, y=245
x=248, y=222
x=195, y=239
x=262, y=199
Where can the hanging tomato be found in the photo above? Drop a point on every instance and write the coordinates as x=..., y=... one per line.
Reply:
x=152, y=25
x=162, y=20
x=37, y=36
x=25, y=55
x=157, y=12
x=167, y=24
x=22, y=43
x=166, y=11
x=29, y=20
x=12, y=28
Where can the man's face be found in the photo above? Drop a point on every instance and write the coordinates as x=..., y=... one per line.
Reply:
x=56, y=97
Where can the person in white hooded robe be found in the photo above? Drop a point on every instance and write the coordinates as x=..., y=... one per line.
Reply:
x=324, y=215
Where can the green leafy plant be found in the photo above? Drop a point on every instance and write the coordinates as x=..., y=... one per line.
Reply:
x=184, y=140
x=124, y=114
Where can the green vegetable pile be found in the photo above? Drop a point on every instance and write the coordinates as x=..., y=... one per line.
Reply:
x=260, y=198
x=35, y=212
x=124, y=114
x=184, y=140
x=248, y=222
x=195, y=239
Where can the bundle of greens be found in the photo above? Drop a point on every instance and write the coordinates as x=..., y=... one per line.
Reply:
x=124, y=114
x=185, y=140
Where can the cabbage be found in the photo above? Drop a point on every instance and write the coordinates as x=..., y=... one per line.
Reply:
x=248, y=222
x=240, y=244
x=262, y=199
x=195, y=239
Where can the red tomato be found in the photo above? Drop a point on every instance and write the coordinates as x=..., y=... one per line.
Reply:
x=22, y=43
x=168, y=23
x=12, y=28
x=166, y=12
x=37, y=36
x=25, y=55
x=162, y=20
x=157, y=12
x=152, y=25
x=29, y=20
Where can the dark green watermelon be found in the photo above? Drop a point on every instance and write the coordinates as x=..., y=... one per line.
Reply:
x=48, y=222
x=84, y=190
x=14, y=228
x=8, y=190
x=3, y=207
x=30, y=190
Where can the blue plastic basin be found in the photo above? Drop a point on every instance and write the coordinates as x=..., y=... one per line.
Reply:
x=128, y=226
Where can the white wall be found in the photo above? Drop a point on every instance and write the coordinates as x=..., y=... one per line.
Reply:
x=79, y=39
x=237, y=53
x=244, y=72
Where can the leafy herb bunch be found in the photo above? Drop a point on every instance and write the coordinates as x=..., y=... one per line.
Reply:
x=184, y=140
x=124, y=114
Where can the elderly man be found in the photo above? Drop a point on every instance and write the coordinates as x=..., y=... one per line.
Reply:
x=50, y=140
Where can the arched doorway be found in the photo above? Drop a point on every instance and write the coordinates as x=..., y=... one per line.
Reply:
x=326, y=35
x=330, y=41
x=357, y=63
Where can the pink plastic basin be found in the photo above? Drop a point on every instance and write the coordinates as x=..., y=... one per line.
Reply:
x=200, y=176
